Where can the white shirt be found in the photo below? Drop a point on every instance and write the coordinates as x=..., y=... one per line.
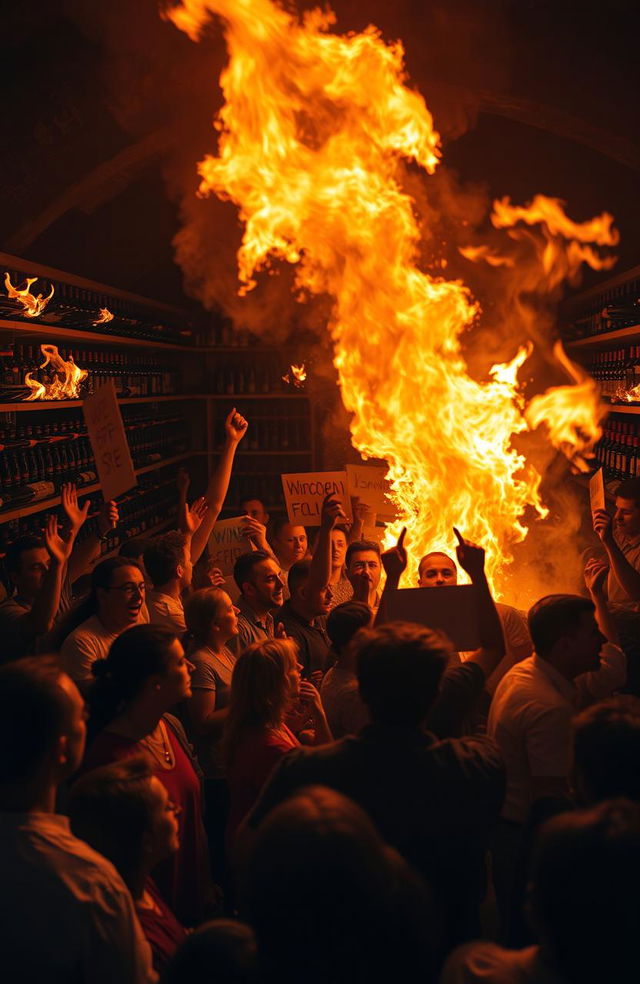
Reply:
x=517, y=643
x=616, y=594
x=65, y=913
x=345, y=710
x=530, y=719
x=166, y=611
x=82, y=647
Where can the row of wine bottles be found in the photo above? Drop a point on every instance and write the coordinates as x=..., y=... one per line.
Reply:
x=618, y=307
x=618, y=451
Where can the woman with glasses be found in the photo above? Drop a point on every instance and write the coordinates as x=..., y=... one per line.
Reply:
x=115, y=603
x=124, y=812
x=145, y=675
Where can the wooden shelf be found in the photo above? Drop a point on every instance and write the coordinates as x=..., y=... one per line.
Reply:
x=604, y=340
x=623, y=408
x=230, y=397
x=80, y=335
x=24, y=407
x=34, y=507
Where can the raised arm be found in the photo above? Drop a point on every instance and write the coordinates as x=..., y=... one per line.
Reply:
x=235, y=428
x=595, y=574
x=40, y=618
x=320, y=568
x=628, y=576
x=394, y=562
x=86, y=553
x=471, y=559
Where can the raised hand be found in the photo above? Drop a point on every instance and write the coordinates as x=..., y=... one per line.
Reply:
x=595, y=574
x=108, y=517
x=255, y=531
x=470, y=556
x=191, y=516
x=59, y=549
x=215, y=577
x=280, y=632
x=183, y=481
x=332, y=511
x=235, y=427
x=75, y=515
x=394, y=560
x=603, y=526
x=310, y=697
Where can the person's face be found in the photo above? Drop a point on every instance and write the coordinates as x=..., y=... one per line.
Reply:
x=317, y=602
x=627, y=517
x=585, y=644
x=121, y=602
x=75, y=733
x=226, y=620
x=267, y=584
x=175, y=682
x=436, y=571
x=338, y=548
x=294, y=676
x=162, y=838
x=291, y=544
x=32, y=567
x=365, y=565
x=255, y=509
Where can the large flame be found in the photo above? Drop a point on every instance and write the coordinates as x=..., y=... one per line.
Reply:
x=32, y=304
x=65, y=383
x=311, y=136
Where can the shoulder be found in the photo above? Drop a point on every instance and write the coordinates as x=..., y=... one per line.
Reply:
x=83, y=634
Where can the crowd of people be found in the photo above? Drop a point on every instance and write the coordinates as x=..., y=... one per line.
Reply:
x=264, y=778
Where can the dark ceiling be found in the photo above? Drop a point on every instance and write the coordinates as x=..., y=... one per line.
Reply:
x=107, y=109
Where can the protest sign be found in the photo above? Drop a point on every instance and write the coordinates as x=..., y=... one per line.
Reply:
x=115, y=469
x=304, y=494
x=596, y=491
x=226, y=543
x=368, y=483
x=453, y=609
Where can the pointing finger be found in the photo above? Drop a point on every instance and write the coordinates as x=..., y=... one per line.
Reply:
x=459, y=537
x=401, y=537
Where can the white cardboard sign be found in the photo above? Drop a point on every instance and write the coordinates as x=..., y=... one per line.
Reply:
x=369, y=484
x=227, y=543
x=116, y=473
x=304, y=494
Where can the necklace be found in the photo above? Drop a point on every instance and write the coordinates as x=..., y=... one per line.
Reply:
x=161, y=749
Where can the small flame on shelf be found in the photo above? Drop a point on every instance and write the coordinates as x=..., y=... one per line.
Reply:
x=33, y=304
x=627, y=396
x=105, y=316
x=297, y=376
x=65, y=384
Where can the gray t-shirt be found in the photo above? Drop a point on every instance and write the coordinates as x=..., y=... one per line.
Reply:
x=212, y=672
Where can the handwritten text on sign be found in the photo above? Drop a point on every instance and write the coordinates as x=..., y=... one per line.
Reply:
x=304, y=494
x=369, y=484
x=108, y=441
x=227, y=543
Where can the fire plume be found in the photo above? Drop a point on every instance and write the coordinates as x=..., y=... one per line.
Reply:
x=312, y=134
x=297, y=375
x=104, y=317
x=65, y=384
x=33, y=304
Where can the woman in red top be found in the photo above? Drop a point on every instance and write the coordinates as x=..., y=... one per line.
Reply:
x=144, y=675
x=125, y=814
x=265, y=687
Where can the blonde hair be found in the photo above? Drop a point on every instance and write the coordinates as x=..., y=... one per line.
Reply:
x=259, y=689
x=201, y=609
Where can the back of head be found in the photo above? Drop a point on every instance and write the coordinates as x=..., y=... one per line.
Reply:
x=553, y=617
x=584, y=892
x=110, y=809
x=134, y=656
x=275, y=528
x=298, y=575
x=222, y=951
x=201, y=609
x=399, y=668
x=358, y=546
x=34, y=711
x=134, y=547
x=319, y=871
x=345, y=620
x=259, y=688
x=163, y=555
x=607, y=750
x=245, y=565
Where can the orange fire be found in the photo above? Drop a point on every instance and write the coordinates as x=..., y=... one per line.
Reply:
x=297, y=375
x=105, y=316
x=33, y=304
x=67, y=377
x=311, y=135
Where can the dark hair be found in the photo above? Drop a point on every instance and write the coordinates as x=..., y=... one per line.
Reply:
x=358, y=546
x=629, y=489
x=345, y=620
x=15, y=550
x=436, y=553
x=251, y=498
x=319, y=870
x=101, y=577
x=606, y=747
x=244, y=565
x=225, y=948
x=34, y=711
x=553, y=617
x=584, y=892
x=298, y=574
x=276, y=525
x=399, y=668
x=163, y=555
x=111, y=808
x=201, y=608
x=134, y=547
x=134, y=656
